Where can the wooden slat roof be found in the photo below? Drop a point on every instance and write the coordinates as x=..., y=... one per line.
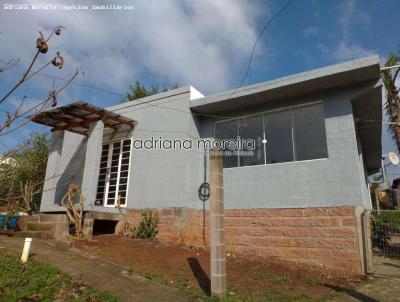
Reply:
x=77, y=117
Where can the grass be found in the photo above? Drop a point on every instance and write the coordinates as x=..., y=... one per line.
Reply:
x=260, y=275
x=35, y=281
x=182, y=281
x=267, y=294
x=387, y=217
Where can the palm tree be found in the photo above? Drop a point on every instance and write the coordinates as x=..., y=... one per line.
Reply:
x=392, y=105
x=138, y=91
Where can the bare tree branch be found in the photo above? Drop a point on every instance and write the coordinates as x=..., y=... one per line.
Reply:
x=44, y=102
x=42, y=47
x=9, y=65
x=22, y=79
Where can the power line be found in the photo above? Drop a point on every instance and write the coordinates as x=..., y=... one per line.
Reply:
x=269, y=22
x=73, y=82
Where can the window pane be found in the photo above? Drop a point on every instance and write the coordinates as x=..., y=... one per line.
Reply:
x=252, y=128
x=309, y=132
x=228, y=130
x=102, y=176
x=278, y=133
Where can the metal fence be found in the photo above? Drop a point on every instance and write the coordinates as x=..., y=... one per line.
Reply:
x=385, y=233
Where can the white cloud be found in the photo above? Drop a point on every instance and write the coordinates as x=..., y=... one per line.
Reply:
x=352, y=15
x=203, y=43
x=311, y=31
x=348, y=51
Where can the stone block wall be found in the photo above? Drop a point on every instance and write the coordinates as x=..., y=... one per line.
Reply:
x=327, y=237
x=44, y=226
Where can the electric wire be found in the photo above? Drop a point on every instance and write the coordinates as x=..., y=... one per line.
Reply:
x=269, y=22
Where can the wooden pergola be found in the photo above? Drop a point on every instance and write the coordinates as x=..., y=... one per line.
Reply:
x=78, y=117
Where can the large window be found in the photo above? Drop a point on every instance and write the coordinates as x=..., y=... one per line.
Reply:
x=112, y=186
x=251, y=128
x=309, y=133
x=278, y=135
x=228, y=130
x=282, y=136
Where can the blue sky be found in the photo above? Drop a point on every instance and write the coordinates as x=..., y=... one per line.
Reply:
x=203, y=43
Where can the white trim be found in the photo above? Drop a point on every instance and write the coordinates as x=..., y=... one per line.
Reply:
x=286, y=162
x=108, y=169
x=129, y=169
x=119, y=172
x=293, y=134
x=264, y=138
x=195, y=94
x=111, y=143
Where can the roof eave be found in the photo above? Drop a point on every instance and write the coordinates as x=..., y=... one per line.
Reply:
x=339, y=75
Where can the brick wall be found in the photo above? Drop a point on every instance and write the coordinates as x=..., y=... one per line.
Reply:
x=326, y=237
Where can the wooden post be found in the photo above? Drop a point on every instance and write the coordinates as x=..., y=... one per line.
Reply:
x=378, y=208
x=218, y=261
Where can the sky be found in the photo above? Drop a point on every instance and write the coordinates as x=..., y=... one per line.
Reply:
x=205, y=43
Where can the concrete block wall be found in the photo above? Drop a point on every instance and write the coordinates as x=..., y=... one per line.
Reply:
x=330, y=238
x=44, y=226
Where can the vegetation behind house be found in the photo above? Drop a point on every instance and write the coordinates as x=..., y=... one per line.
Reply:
x=138, y=91
x=25, y=163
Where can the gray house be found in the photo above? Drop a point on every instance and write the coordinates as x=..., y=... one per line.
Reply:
x=317, y=137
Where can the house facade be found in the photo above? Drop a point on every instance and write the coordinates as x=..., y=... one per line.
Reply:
x=298, y=192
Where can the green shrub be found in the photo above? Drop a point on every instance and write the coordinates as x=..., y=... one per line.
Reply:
x=147, y=228
x=386, y=217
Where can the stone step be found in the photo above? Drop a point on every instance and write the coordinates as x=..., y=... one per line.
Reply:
x=35, y=217
x=33, y=234
x=38, y=226
x=62, y=217
x=23, y=220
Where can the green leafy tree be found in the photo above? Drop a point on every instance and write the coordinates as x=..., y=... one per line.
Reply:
x=392, y=106
x=138, y=91
x=26, y=164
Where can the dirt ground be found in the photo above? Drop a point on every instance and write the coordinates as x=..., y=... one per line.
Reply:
x=177, y=264
x=118, y=265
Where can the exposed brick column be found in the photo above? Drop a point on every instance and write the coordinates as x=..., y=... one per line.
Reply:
x=218, y=261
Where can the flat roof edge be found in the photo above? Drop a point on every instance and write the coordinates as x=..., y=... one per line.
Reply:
x=151, y=98
x=332, y=70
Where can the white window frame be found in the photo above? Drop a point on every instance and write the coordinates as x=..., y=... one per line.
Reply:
x=108, y=172
x=266, y=112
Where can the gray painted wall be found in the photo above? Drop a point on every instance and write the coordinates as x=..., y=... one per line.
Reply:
x=338, y=180
x=171, y=178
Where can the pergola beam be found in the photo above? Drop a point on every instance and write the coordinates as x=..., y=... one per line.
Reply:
x=85, y=133
x=77, y=116
x=114, y=116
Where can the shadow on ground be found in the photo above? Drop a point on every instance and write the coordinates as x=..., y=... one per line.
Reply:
x=353, y=293
x=202, y=278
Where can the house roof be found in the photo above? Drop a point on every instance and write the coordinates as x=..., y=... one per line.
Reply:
x=359, y=71
x=339, y=75
x=78, y=117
